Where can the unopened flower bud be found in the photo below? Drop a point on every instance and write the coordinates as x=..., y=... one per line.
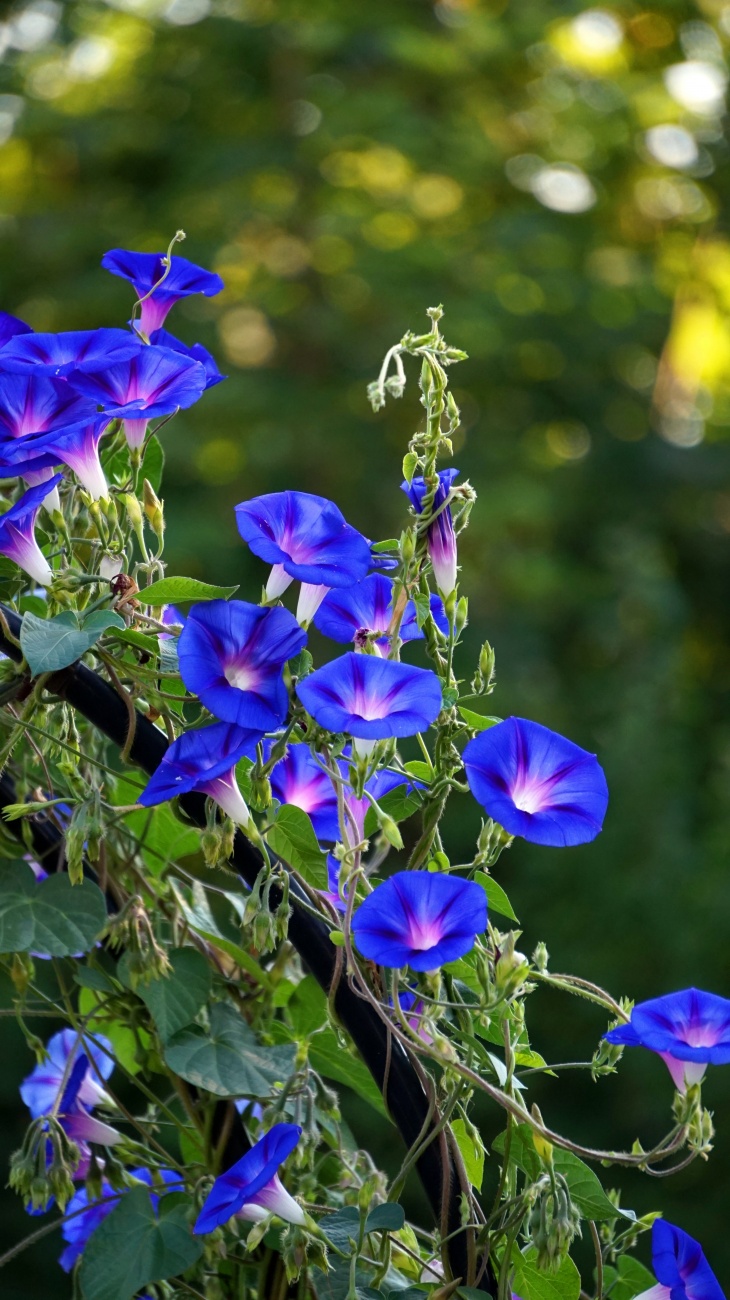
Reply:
x=511, y=968
x=407, y=545
x=461, y=616
x=133, y=510
x=260, y=798
x=153, y=509
x=540, y=957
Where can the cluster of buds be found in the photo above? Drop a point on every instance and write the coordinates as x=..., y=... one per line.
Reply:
x=44, y=1166
x=553, y=1221
x=131, y=930
x=268, y=923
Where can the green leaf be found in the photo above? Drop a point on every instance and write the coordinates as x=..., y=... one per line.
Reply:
x=168, y=591
x=472, y=1153
x=307, y=1008
x=450, y=696
x=51, y=917
x=161, y=837
x=388, y=1217
x=342, y=1227
x=90, y=977
x=50, y=644
x=420, y=770
x=301, y=665
x=390, y=544
x=126, y=1042
x=398, y=804
x=229, y=1061
x=133, y=1247
x=586, y=1191
x=328, y=1057
x=154, y=462
x=423, y=607
x=292, y=839
x=479, y=721
x=410, y=461
x=173, y=1002
x=139, y=640
x=532, y=1283
x=479, y=704
x=496, y=897
x=200, y=919
x=633, y=1278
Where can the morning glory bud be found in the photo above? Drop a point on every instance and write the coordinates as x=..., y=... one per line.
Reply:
x=689, y=1030
x=441, y=535
x=17, y=533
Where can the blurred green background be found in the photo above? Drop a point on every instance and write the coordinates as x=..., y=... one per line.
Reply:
x=557, y=177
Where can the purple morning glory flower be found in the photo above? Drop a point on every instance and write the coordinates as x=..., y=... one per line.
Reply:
x=689, y=1030
x=83, y=1216
x=231, y=656
x=17, y=533
x=371, y=698
x=11, y=327
x=40, y=1089
x=350, y=613
x=147, y=270
x=536, y=783
x=300, y=780
x=77, y=447
x=205, y=760
x=680, y=1267
x=59, y=354
x=32, y=403
x=441, y=535
x=163, y=339
x=420, y=919
x=251, y=1188
x=305, y=537
x=151, y=383
x=79, y=1124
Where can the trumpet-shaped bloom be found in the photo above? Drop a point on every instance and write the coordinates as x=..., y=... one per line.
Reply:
x=205, y=760
x=80, y=1125
x=34, y=403
x=441, y=535
x=231, y=656
x=371, y=698
x=147, y=271
x=301, y=780
x=40, y=1089
x=59, y=354
x=689, y=1030
x=680, y=1267
x=17, y=533
x=213, y=376
x=83, y=1215
x=11, y=327
x=148, y=384
x=420, y=919
x=536, y=783
x=251, y=1188
x=305, y=537
x=351, y=613
x=77, y=447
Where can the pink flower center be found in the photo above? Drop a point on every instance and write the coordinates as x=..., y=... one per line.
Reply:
x=423, y=934
x=243, y=676
x=530, y=794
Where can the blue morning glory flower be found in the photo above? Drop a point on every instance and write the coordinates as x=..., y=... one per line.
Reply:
x=83, y=1216
x=251, y=1188
x=59, y=354
x=350, y=613
x=32, y=403
x=163, y=339
x=689, y=1030
x=420, y=919
x=299, y=779
x=40, y=1089
x=75, y=1116
x=77, y=447
x=441, y=535
x=371, y=698
x=17, y=532
x=304, y=537
x=231, y=656
x=151, y=383
x=11, y=327
x=680, y=1267
x=205, y=760
x=536, y=783
x=147, y=270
